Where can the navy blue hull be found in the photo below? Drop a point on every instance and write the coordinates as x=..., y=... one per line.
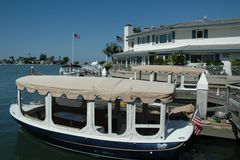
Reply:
x=122, y=150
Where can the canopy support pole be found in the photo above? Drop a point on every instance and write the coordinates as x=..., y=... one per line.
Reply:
x=48, y=108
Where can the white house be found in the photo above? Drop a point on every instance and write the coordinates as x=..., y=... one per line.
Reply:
x=199, y=41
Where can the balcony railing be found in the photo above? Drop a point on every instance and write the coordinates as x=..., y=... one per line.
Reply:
x=211, y=70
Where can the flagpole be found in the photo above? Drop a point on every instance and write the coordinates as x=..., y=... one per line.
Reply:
x=72, y=46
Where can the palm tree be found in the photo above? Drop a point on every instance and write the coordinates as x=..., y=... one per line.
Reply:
x=65, y=60
x=59, y=59
x=12, y=59
x=111, y=48
x=43, y=57
x=136, y=29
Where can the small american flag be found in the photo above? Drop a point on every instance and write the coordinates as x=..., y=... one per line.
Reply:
x=197, y=122
x=119, y=38
x=76, y=36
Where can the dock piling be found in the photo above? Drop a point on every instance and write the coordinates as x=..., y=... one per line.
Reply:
x=202, y=95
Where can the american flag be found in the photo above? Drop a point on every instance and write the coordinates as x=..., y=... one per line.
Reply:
x=119, y=38
x=76, y=36
x=197, y=122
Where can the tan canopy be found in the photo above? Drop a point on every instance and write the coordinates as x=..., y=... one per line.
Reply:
x=89, y=87
x=168, y=69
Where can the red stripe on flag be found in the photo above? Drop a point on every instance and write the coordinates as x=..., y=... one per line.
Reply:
x=77, y=36
x=197, y=122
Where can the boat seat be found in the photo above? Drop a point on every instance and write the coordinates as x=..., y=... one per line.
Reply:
x=100, y=129
x=71, y=116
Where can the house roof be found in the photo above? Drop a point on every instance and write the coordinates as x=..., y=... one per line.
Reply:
x=90, y=87
x=192, y=24
x=220, y=48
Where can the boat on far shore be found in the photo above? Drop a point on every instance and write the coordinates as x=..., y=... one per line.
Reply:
x=78, y=70
x=71, y=70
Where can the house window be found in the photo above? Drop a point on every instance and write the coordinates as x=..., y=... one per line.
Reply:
x=205, y=33
x=132, y=44
x=148, y=39
x=156, y=40
x=143, y=40
x=153, y=38
x=193, y=34
x=207, y=58
x=187, y=57
x=200, y=34
x=196, y=58
x=169, y=37
x=173, y=34
x=163, y=38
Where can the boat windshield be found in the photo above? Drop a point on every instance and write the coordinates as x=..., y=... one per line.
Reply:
x=33, y=105
x=110, y=117
x=69, y=112
x=147, y=121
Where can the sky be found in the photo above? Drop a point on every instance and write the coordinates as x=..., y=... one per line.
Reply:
x=46, y=26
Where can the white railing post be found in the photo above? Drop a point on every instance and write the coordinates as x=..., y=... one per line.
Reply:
x=104, y=72
x=109, y=118
x=162, y=120
x=202, y=96
x=182, y=82
x=151, y=77
x=169, y=78
x=135, y=75
x=19, y=102
x=48, y=108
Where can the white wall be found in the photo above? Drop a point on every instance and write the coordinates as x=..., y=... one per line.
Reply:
x=229, y=35
x=128, y=30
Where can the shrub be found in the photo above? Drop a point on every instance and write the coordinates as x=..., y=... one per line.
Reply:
x=108, y=66
x=178, y=59
x=235, y=67
x=161, y=61
x=215, y=67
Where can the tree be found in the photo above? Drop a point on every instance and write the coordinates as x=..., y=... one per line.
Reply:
x=59, y=60
x=12, y=59
x=43, y=57
x=136, y=29
x=178, y=59
x=235, y=67
x=111, y=48
x=65, y=60
x=76, y=62
x=52, y=58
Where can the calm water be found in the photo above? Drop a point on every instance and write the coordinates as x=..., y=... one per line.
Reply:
x=17, y=144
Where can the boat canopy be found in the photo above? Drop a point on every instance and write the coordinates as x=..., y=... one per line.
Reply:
x=90, y=87
x=168, y=69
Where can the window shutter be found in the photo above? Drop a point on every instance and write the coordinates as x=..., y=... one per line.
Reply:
x=153, y=38
x=193, y=34
x=205, y=33
x=173, y=34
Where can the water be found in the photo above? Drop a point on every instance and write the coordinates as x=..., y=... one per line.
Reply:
x=17, y=144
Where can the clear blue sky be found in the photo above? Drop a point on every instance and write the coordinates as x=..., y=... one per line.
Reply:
x=46, y=26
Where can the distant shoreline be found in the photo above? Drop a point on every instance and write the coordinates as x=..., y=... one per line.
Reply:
x=27, y=64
